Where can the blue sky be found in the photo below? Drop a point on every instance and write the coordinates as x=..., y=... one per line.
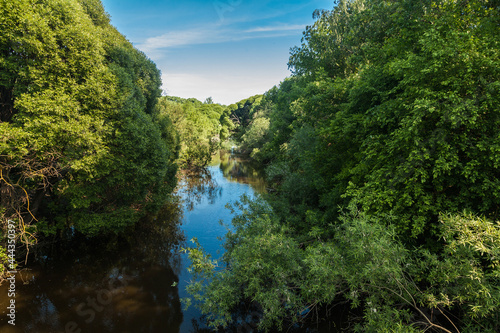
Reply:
x=225, y=49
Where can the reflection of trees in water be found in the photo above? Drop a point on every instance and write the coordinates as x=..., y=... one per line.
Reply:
x=197, y=185
x=112, y=284
x=159, y=237
x=234, y=168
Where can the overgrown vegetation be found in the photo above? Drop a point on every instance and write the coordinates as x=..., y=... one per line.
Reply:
x=201, y=128
x=82, y=145
x=382, y=149
x=392, y=112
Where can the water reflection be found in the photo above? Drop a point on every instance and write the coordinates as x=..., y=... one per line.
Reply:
x=125, y=284
x=236, y=168
x=196, y=186
x=106, y=285
x=205, y=202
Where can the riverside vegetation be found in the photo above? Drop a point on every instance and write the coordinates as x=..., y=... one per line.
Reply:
x=83, y=148
x=382, y=154
x=88, y=144
x=383, y=150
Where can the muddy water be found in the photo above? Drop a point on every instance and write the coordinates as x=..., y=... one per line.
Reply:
x=125, y=285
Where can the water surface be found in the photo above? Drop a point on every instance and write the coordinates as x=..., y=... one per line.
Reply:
x=126, y=285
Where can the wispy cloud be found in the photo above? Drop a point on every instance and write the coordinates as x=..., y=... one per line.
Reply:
x=285, y=27
x=214, y=34
x=181, y=38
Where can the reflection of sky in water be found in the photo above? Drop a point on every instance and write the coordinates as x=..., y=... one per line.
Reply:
x=47, y=311
x=202, y=216
x=142, y=268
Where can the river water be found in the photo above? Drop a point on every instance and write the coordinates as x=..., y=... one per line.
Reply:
x=126, y=285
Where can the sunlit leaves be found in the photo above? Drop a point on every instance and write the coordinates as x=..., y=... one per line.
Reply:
x=84, y=96
x=393, y=106
x=201, y=128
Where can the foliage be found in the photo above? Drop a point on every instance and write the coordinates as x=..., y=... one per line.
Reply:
x=260, y=256
x=466, y=274
x=364, y=263
x=80, y=143
x=241, y=113
x=201, y=127
x=418, y=113
x=392, y=111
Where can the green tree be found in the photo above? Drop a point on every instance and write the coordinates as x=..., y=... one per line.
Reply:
x=392, y=111
x=80, y=143
x=241, y=113
x=202, y=127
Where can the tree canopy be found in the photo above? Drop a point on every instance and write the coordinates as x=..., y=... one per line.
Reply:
x=201, y=128
x=392, y=114
x=81, y=144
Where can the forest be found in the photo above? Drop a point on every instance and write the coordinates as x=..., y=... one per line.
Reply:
x=381, y=153
x=83, y=145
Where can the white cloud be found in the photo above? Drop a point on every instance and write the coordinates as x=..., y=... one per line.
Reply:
x=285, y=27
x=182, y=38
x=175, y=38
x=212, y=34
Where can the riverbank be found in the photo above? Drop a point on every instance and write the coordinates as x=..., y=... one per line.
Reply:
x=125, y=284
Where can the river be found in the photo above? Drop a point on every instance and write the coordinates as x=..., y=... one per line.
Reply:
x=127, y=285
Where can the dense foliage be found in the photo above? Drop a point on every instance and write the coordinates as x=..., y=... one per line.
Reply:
x=241, y=114
x=81, y=142
x=201, y=128
x=392, y=112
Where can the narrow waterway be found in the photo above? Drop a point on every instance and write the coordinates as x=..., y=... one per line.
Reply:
x=205, y=216
x=127, y=285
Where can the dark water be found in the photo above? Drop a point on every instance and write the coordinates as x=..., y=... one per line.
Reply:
x=125, y=285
